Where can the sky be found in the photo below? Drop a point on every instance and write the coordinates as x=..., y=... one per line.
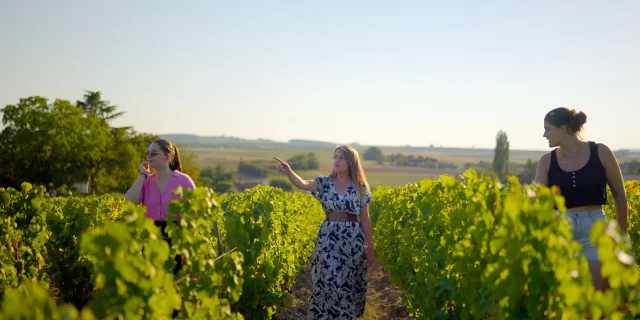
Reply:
x=448, y=73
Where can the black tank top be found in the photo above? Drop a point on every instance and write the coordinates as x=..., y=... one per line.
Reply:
x=583, y=187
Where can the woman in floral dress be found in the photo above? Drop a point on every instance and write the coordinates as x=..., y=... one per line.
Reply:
x=344, y=247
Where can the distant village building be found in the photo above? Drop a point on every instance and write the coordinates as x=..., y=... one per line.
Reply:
x=81, y=186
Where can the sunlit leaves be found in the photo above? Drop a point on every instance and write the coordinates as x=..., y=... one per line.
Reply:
x=486, y=250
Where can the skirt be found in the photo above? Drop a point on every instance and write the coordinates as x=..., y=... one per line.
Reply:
x=338, y=272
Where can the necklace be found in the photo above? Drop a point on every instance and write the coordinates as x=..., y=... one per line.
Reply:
x=565, y=156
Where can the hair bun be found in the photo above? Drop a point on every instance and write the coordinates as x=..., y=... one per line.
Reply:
x=581, y=118
x=570, y=118
x=576, y=120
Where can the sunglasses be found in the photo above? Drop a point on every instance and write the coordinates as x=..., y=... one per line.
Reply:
x=152, y=153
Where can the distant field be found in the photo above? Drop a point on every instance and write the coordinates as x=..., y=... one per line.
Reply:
x=470, y=154
x=230, y=158
x=378, y=175
x=223, y=145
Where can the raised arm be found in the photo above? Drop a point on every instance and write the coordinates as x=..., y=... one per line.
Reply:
x=133, y=194
x=616, y=183
x=308, y=185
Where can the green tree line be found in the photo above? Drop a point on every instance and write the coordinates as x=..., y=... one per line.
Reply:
x=59, y=143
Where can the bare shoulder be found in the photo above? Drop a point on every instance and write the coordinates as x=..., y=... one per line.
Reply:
x=542, y=170
x=603, y=148
x=544, y=163
x=605, y=154
x=546, y=158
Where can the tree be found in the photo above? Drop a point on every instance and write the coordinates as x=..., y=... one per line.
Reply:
x=399, y=159
x=50, y=144
x=252, y=170
x=281, y=183
x=217, y=178
x=93, y=104
x=374, y=154
x=188, y=160
x=501, y=155
x=127, y=148
x=529, y=173
x=298, y=162
x=302, y=161
x=632, y=167
x=312, y=161
x=121, y=164
x=60, y=143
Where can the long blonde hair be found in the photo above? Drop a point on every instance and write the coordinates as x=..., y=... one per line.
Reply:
x=356, y=173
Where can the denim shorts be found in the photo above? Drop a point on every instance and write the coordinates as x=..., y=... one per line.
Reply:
x=581, y=223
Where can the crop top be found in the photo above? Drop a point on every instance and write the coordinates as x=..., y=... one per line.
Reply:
x=333, y=202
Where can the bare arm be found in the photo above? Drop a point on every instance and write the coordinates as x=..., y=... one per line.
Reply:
x=366, y=226
x=133, y=194
x=616, y=183
x=542, y=172
x=308, y=185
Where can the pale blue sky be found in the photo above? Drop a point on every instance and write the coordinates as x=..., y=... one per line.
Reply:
x=374, y=72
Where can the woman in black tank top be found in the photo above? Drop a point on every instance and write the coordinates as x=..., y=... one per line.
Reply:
x=582, y=170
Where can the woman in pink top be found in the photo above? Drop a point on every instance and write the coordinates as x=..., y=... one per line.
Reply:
x=156, y=190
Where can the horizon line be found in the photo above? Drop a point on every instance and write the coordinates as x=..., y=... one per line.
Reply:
x=636, y=149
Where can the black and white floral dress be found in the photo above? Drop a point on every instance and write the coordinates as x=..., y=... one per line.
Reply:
x=339, y=264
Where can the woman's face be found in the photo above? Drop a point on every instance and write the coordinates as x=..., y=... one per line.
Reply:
x=156, y=157
x=554, y=134
x=340, y=163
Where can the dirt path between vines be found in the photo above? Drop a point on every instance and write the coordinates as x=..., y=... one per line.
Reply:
x=384, y=299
